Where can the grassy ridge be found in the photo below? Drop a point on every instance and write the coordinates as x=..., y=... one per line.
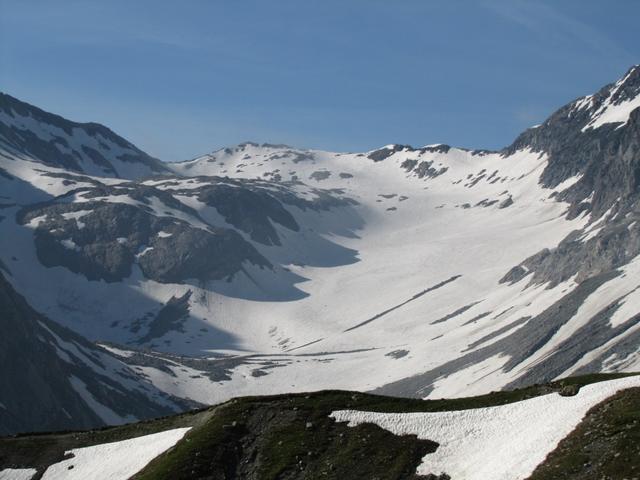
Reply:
x=292, y=437
x=282, y=437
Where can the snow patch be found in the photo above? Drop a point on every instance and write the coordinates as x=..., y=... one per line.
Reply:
x=35, y=222
x=70, y=244
x=117, y=351
x=77, y=216
x=114, y=461
x=506, y=442
x=144, y=251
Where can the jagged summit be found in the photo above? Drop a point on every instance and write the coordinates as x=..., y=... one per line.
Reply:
x=593, y=139
x=610, y=108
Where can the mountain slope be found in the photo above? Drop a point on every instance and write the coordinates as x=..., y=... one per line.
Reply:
x=53, y=379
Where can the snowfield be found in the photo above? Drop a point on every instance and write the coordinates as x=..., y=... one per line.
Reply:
x=506, y=442
x=113, y=461
x=412, y=267
x=409, y=232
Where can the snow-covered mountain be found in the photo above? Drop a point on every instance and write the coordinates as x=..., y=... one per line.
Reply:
x=427, y=272
x=29, y=132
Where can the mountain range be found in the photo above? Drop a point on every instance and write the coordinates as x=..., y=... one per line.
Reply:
x=131, y=288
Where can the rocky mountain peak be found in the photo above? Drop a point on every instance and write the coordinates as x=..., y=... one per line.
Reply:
x=629, y=86
x=589, y=139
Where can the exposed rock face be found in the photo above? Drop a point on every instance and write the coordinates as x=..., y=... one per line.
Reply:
x=103, y=240
x=82, y=147
x=249, y=210
x=253, y=206
x=386, y=152
x=423, y=169
x=605, y=160
x=381, y=154
x=103, y=231
x=613, y=246
x=53, y=379
x=169, y=318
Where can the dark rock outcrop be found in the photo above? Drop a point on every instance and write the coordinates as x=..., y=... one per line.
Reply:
x=106, y=241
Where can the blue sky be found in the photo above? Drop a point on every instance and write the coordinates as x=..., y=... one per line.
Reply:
x=183, y=78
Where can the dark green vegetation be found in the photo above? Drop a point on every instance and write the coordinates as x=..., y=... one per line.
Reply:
x=605, y=446
x=292, y=437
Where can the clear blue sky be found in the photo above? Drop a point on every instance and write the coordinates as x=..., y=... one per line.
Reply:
x=181, y=78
